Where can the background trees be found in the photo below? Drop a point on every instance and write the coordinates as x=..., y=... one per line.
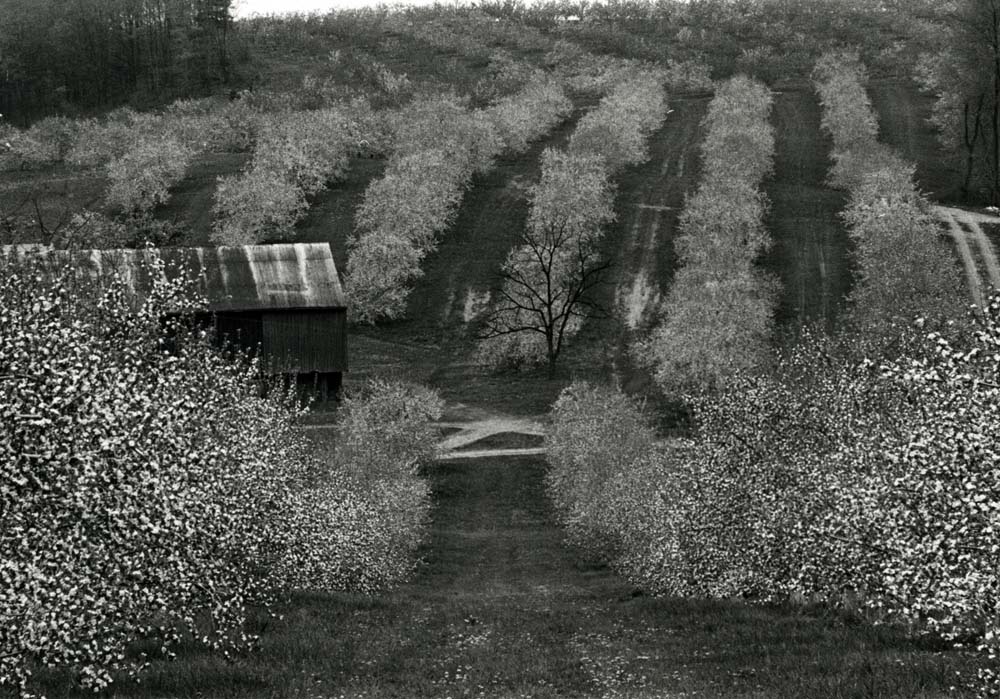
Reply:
x=964, y=73
x=96, y=53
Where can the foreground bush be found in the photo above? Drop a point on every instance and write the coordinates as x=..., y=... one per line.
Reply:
x=148, y=490
x=364, y=523
x=847, y=475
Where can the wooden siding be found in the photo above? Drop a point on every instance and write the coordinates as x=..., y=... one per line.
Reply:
x=292, y=342
x=305, y=341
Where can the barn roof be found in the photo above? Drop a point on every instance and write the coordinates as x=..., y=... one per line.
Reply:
x=238, y=278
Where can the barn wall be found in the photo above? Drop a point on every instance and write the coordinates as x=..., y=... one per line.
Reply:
x=305, y=341
x=243, y=330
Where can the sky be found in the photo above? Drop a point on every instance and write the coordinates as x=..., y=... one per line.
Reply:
x=245, y=8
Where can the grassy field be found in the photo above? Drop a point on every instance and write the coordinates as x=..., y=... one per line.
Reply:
x=811, y=248
x=502, y=608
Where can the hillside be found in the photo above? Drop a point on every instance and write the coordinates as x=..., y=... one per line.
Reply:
x=637, y=402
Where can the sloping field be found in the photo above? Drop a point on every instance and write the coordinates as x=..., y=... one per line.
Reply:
x=811, y=253
x=903, y=112
x=466, y=265
x=501, y=608
x=639, y=243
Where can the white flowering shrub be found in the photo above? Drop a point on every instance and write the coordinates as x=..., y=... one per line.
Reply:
x=148, y=489
x=296, y=156
x=905, y=269
x=840, y=79
x=402, y=213
x=307, y=148
x=364, y=523
x=530, y=114
x=380, y=269
x=102, y=140
x=597, y=436
x=470, y=140
x=717, y=317
x=386, y=434
x=141, y=178
x=414, y=200
x=618, y=128
x=143, y=491
x=847, y=475
x=255, y=206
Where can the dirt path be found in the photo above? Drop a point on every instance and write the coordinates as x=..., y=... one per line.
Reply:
x=649, y=204
x=502, y=430
x=811, y=253
x=501, y=608
x=979, y=258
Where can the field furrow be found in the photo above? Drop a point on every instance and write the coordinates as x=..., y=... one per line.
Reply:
x=650, y=201
x=811, y=253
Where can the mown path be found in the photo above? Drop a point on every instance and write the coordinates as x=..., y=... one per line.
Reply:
x=502, y=608
x=811, y=253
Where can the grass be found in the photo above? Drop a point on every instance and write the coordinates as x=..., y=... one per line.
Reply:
x=811, y=254
x=502, y=608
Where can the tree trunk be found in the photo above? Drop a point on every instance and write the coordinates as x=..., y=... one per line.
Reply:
x=971, y=139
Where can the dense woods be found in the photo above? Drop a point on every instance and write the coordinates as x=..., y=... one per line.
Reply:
x=57, y=56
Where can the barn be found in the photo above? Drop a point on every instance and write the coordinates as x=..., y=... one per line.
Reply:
x=284, y=303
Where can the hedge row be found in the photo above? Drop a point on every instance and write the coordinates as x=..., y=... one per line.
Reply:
x=718, y=315
x=296, y=156
x=618, y=129
x=402, y=214
x=905, y=268
x=148, y=490
x=847, y=476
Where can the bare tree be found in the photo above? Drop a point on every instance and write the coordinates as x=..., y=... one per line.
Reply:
x=546, y=291
x=547, y=280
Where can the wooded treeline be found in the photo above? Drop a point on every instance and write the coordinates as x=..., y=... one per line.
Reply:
x=79, y=55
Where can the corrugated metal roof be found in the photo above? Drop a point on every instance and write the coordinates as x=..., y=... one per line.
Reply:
x=241, y=278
